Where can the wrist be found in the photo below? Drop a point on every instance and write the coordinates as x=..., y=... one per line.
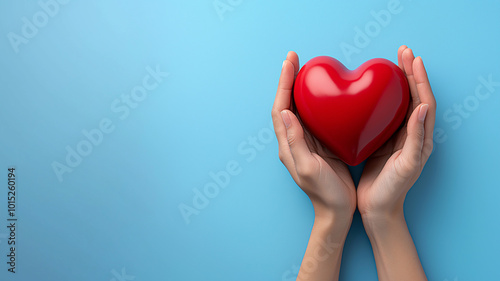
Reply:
x=386, y=212
x=324, y=249
x=338, y=224
x=382, y=222
x=339, y=208
x=395, y=253
x=327, y=215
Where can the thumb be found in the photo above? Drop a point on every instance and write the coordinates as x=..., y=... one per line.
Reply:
x=412, y=149
x=298, y=147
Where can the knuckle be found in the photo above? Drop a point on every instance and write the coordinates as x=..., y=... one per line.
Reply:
x=404, y=170
x=276, y=118
x=410, y=164
x=275, y=112
x=306, y=171
x=281, y=156
x=291, y=138
x=428, y=148
x=414, y=160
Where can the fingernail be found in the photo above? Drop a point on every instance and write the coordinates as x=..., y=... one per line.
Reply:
x=423, y=112
x=421, y=60
x=283, y=65
x=286, y=119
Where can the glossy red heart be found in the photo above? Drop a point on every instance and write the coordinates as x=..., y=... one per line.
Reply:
x=352, y=113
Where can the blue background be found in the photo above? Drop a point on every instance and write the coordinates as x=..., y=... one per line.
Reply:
x=117, y=213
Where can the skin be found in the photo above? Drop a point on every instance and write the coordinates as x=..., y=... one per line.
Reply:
x=321, y=175
x=387, y=177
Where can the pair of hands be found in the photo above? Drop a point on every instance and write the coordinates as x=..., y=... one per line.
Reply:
x=388, y=174
x=387, y=177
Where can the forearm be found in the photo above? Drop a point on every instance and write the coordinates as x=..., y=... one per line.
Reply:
x=395, y=253
x=324, y=250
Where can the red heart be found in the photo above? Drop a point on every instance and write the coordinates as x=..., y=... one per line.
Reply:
x=355, y=112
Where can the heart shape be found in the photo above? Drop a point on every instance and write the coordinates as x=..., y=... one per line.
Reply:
x=352, y=113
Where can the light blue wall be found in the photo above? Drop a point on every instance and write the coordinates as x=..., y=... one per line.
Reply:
x=118, y=208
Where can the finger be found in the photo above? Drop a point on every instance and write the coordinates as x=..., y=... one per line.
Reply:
x=302, y=156
x=427, y=97
x=408, y=65
x=281, y=102
x=400, y=57
x=294, y=59
x=285, y=85
x=412, y=149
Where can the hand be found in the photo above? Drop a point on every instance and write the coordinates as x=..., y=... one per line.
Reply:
x=319, y=173
x=391, y=171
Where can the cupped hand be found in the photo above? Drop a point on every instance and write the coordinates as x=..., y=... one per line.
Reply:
x=321, y=175
x=391, y=171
